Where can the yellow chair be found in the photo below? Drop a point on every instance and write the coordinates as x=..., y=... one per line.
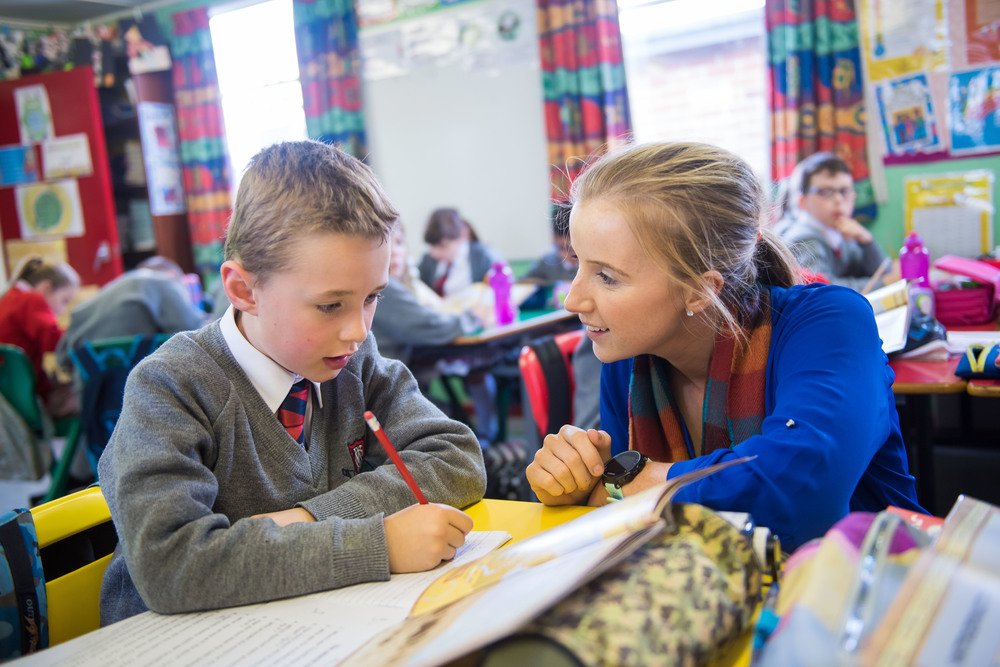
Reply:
x=76, y=539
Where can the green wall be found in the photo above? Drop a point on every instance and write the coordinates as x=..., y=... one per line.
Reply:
x=888, y=226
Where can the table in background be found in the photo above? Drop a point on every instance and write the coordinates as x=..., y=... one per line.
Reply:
x=496, y=349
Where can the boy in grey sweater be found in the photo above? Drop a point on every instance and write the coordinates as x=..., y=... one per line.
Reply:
x=221, y=496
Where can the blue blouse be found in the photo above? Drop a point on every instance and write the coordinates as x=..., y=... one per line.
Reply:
x=842, y=450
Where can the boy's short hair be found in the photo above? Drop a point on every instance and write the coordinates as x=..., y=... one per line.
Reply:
x=296, y=188
x=820, y=162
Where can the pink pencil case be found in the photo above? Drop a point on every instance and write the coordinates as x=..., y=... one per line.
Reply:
x=967, y=305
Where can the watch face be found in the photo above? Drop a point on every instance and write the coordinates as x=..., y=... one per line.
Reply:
x=621, y=465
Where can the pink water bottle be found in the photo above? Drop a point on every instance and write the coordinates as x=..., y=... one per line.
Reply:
x=501, y=279
x=914, y=262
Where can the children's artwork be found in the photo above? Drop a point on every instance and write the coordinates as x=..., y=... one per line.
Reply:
x=951, y=212
x=49, y=209
x=53, y=251
x=974, y=110
x=908, y=117
x=160, y=155
x=34, y=114
x=68, y=155
x=18, y=165
x=982, y=31
x=903, y=38
x=145, y=45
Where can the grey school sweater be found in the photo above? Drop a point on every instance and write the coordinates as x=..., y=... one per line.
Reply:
x=197, y=452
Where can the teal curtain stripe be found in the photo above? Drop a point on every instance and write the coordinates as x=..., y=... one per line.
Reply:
x=195, y=43
x=822, y=36
x=335, y=121
x=588, y=81
x=202, y=150
x=323, y=10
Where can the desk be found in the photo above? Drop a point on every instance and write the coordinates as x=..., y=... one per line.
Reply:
x=984, y=388
x=918, y=381
x=495, y=350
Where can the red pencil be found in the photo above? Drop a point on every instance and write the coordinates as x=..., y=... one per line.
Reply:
x=394, y=455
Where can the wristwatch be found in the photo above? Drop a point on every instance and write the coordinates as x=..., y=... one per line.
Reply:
x=620, y=470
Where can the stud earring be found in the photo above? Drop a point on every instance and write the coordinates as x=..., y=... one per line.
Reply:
x=690, y=313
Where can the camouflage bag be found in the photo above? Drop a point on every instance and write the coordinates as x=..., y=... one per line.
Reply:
x=680, y=599
x=23, y=608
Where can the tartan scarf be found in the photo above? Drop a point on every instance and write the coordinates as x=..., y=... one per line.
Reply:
x=734, y=398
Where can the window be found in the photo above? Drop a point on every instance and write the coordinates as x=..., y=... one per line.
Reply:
x=258, y=77
x=697, y=71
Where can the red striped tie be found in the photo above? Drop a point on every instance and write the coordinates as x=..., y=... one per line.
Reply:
x=292, y=413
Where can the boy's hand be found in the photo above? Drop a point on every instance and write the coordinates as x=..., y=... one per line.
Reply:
x=569, y=465
x=419, y=537
x=285, y=517
x=853, y=230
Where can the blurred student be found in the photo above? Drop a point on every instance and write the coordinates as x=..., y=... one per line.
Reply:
x=558, y=264
x=819, y=227
x=38, y=294
x=241, y=469
x=150, y=299
x=456, y=257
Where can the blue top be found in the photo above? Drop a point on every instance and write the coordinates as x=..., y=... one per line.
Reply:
x=825, y=371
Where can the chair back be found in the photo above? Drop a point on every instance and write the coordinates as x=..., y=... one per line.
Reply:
x=17, y=384
x=76, y=538
x=547, y=369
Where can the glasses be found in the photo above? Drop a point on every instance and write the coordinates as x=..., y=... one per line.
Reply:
x=828, y=193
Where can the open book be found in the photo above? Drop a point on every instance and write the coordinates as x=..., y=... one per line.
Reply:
x=892, y=314
x=470, y=606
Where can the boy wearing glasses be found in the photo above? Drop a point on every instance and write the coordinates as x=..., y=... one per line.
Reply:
x=820, y=229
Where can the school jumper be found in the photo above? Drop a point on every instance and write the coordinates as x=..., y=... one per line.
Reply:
x=552, y=268
x=401, y=322
x=823, y=250
x=830, y=441
x=137, y=303
x=197, y=451
x=481, y=258
x=27, y=321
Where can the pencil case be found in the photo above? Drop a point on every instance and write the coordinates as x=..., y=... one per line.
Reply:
x=967, y=305
x=979, y=361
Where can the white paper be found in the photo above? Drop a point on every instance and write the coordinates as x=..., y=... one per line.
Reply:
x=892, y=315
x=950, y=230
x=959, y=341
x=34, y=114
x=322, y=628
x=49, y=210
x=68, y=155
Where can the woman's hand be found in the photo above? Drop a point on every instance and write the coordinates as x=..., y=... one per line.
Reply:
x=569, y=465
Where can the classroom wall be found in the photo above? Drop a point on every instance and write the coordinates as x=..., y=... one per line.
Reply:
x=888, y=226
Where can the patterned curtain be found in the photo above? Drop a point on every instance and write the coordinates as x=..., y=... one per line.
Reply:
x=817, y=98
x=204, y=160
x=326, y=36
x=583, y=79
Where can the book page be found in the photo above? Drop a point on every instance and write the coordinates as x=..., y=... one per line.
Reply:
x=892, y=314
x=322, y=628
x=631, y=515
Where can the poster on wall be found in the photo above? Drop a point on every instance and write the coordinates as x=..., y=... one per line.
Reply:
x=903, y=38
x=52, y=251
x=157, y=126
x=951, y=212
x=907, y=113
x=982, y=31
x=68, y=155
x=974, y=111
x=49, y=209
x=34, y=114
x=18, y=165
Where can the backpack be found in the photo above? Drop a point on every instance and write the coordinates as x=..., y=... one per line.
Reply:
x=104, y=372
x=24, y=626
x=505, y=465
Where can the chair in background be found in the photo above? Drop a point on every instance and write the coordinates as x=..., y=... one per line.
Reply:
x=76, y=539
x=547, y=369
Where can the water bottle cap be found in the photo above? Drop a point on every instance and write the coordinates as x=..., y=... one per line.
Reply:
x=913, y=241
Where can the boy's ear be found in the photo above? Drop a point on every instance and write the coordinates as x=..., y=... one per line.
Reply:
x=238, y=283
x=699, y=300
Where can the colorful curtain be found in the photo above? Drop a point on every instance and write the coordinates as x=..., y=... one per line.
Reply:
x=326, y=36
x=817, y=94
x=583, y=79
x=204, y=160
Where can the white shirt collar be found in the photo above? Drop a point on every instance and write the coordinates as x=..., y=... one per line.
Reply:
x=270, y=380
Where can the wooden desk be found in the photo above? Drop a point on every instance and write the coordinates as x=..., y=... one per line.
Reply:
x=984, y=388
x=926, y=377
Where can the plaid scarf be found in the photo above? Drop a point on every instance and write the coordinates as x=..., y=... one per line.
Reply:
x=734, y=398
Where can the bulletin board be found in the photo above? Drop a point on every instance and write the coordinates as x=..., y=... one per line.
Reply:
x=952, y=212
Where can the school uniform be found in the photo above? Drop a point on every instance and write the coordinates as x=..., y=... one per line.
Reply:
x=830, y=441
x=198, y=449
x=27, y=321
x=551, y=268
x=137, y=303
x=470, y=266
x=824, y=250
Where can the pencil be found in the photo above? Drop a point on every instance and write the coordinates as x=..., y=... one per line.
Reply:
x=394, y=455
x=877, y=276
